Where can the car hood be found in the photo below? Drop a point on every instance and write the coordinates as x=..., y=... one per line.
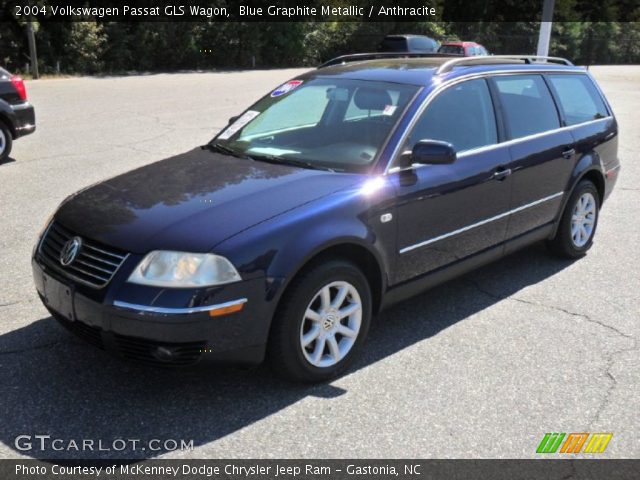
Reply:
x=192, y=201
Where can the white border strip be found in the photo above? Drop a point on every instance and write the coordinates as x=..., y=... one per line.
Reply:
x=483, y=222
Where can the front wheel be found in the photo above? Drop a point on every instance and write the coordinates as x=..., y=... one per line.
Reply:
x=578, y=222
x=321, y=323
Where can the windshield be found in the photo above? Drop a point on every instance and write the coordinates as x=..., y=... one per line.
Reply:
x=451, y=49
x=328, y=123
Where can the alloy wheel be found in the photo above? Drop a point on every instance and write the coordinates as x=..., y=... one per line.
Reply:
x=331, y=324
x=583, y=219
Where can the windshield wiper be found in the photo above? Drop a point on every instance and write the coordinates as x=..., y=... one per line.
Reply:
x=218, y=147
x=290, y=161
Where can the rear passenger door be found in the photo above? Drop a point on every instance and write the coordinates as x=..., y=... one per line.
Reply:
x=542, y=153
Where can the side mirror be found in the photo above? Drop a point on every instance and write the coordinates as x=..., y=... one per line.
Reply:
x=233, y=119
x=433, y=152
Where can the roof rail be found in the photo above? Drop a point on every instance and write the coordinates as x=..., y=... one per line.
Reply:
x=487, y=59
x=356, y=57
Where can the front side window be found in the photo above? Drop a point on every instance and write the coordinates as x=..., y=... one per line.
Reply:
x=527, y=103
x=462, y=115
x=333, y=123
x=579, y=100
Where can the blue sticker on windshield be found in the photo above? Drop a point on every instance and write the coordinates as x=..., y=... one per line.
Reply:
x=286, y=88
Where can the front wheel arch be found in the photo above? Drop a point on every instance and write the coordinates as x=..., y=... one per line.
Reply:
x=286, y=345
x=356, y=253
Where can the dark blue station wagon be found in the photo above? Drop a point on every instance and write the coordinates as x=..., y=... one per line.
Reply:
x=344, y=190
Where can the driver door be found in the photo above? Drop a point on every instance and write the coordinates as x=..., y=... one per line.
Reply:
x=447, y=213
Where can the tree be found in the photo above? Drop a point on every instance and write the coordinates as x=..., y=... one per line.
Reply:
x=85, y=47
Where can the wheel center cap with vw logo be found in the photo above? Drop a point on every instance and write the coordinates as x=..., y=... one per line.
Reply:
x=329, y=320
x=70, y=251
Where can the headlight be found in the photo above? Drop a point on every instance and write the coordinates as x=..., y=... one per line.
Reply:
x=180, y=269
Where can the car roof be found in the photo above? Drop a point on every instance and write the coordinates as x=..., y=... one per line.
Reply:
x=421, y=71
x=405, y=35
x=460, y=44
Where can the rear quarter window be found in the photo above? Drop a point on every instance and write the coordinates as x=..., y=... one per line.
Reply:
x=578, y=98
x=527, y=104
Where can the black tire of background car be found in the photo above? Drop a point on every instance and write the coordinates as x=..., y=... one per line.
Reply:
x=8, y=142
x=562, y=244
x=284, y=351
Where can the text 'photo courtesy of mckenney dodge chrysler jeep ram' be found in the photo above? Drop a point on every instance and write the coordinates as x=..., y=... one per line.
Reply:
x=347, y=189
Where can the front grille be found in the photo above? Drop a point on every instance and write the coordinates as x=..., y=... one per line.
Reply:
x=89, y=334
x=95, y=264
x=151, y=352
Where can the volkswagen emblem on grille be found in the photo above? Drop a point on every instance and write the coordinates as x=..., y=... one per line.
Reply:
x=70, y=251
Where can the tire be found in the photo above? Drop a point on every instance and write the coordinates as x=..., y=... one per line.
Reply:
x=303, y=317
x=583, y=208
x=6, y=142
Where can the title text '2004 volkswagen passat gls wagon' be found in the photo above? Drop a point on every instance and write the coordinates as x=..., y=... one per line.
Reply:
x=340, y=192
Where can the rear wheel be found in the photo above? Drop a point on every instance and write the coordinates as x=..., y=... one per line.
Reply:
x=578, y=223
x=5, y=142
x=321, y=323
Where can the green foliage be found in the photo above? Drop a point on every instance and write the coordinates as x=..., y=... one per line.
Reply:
x=85, y=47
x=105, y=47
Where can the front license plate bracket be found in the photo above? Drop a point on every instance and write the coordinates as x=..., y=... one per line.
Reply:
x=59, y=297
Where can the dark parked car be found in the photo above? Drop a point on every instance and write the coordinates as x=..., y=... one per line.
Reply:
x=409, y=43
x=17, y=117
x=468, y=49
x=337, y=194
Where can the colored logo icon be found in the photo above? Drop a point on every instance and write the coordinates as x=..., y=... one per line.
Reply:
x=573, y=442
x=286, y=88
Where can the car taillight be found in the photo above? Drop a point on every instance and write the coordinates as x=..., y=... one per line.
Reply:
x=18, y=83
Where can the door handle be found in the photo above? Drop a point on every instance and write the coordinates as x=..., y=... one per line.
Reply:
x=501, y=174
x=568, y=153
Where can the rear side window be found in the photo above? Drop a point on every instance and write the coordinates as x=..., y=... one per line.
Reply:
x=578, y=98
x=461, y=115
x=527, y=104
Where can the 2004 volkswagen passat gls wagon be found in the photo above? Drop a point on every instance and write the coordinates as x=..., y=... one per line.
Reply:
x=340, y=192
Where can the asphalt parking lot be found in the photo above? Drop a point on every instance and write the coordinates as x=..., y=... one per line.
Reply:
x=480, y=367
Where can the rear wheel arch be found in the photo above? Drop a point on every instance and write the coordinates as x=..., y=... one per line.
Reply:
x=593, y=175
x=6, y=117
x=596, y=177
x=9, y=124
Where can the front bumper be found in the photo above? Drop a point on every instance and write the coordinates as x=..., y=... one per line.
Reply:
x=24, y=119
x=162, y=335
